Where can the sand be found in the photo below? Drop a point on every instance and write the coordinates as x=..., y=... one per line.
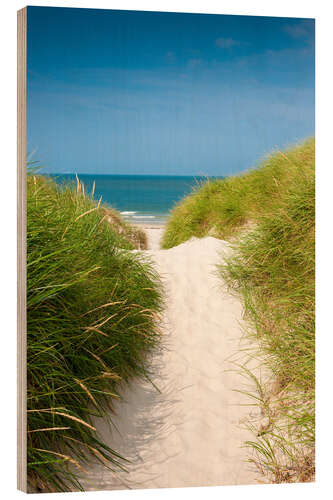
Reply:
x=192, y=432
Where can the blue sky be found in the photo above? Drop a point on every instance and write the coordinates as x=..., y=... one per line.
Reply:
x=125, y=92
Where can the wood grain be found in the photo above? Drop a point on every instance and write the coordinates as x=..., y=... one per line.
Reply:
x=21, y=250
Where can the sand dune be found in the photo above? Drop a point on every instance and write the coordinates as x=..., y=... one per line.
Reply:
x=190, y=433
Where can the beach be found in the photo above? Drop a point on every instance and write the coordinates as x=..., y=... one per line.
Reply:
x=166, y=250
x=186, y=427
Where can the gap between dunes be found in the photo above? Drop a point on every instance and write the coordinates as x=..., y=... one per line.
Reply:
x=192, y=432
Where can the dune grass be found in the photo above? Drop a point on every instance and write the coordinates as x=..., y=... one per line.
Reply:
x=221, y=207
x=92, y=321
x=273, y=269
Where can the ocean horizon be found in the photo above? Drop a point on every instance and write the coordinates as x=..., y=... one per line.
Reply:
x=141, y=199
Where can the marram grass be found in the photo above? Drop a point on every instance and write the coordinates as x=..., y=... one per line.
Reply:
x=274, y=270
x=221, y=207
x=92, y=322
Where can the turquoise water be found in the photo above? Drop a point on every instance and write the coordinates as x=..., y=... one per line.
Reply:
x=140, y=198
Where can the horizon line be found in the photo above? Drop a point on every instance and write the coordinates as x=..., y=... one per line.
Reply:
x=134, y=175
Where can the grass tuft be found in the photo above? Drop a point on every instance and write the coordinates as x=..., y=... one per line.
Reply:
x=92, y=321
x=222, y=207
x=274, y=270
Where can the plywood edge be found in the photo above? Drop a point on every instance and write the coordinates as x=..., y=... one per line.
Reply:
x=21, y=250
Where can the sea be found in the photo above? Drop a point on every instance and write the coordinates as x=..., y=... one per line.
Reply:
x=141, y=199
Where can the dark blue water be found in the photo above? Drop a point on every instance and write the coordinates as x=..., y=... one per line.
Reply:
x=140, y=198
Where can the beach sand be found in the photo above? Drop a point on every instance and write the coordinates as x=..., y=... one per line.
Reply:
x=191, y=433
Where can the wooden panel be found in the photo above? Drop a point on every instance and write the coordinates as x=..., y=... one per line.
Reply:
x=21, y=250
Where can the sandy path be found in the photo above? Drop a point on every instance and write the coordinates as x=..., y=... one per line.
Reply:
x=190, y=434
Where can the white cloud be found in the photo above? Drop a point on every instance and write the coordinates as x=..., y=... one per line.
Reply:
x=226, y=43
x=194, y=62
x=302, y=29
